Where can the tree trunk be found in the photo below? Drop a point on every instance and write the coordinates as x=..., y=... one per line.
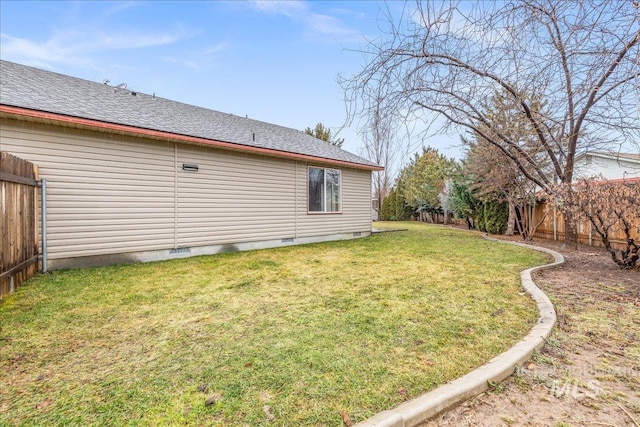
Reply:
x=512, y=219
x=570, y=229
x=570, y=220
x=379, y=196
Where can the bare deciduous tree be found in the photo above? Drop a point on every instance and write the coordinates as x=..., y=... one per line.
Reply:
x=381, y=145
x=496, y=177
x=611, y=208
x=579, y=59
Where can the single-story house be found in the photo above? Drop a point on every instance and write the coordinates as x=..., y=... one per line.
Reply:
x=134, y=177
x=607, y=165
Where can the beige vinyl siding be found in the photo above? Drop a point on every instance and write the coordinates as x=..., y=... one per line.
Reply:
x=233, y=197
x=111, y=194
x=356, y=205
x=105, y=194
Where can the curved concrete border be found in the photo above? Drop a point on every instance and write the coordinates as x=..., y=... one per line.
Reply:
x=422, y=408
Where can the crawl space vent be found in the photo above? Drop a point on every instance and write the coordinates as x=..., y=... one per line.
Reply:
x=180, y=251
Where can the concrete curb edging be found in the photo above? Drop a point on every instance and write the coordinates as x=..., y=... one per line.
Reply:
x=422, y=408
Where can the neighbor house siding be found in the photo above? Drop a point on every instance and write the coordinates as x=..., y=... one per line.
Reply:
x=105, y=195
x=593, y=165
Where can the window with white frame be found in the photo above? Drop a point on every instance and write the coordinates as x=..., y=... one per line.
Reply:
x=324, y=190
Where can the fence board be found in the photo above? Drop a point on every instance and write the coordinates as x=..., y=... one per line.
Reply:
x=18, y=222
x=585, y=235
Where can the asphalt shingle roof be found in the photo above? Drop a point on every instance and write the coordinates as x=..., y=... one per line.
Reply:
x=36, y=89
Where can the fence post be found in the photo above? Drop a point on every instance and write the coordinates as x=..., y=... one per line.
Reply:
x=43, y=220
x=555, y=222
x=590, y=229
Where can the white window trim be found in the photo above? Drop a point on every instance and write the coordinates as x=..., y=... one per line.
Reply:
x=325, y=212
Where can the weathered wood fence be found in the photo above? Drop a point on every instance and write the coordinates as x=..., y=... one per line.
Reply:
x=18, y=222
x=553, y=228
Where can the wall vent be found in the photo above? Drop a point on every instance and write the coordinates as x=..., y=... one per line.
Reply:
x=176, y=251
x=357, y=234
x=288, y=240
x=190, y=167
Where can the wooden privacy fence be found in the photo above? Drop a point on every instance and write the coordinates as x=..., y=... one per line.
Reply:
x=552, y=228
x=18, y=222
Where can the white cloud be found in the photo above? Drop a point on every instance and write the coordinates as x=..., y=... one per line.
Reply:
x=204, y=58
x=286, y=8
x=318, y=24
x=328, y=25
x=15, y=46
x=121, y=6
x=188, y=63
x=215, y=49
x=74, y=47
x=347, y=12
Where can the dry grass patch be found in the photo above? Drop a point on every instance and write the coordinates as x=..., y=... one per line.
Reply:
x=588, y=372
x=289, y=336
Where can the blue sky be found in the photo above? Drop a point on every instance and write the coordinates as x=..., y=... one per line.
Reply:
x=273, y=61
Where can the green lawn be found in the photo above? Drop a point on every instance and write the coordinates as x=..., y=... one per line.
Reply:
x=288, y=336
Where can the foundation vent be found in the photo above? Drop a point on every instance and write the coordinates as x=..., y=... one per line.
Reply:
x=177, y=251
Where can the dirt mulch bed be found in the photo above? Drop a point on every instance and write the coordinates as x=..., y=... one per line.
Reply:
x=588, y=373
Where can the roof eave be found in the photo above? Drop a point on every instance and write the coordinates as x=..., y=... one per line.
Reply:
x=620, y=157
x=44, y=116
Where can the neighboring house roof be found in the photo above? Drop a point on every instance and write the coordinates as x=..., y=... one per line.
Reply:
x=610, y=166
x=635, y=158
x=629, y=156
x=48, y=96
